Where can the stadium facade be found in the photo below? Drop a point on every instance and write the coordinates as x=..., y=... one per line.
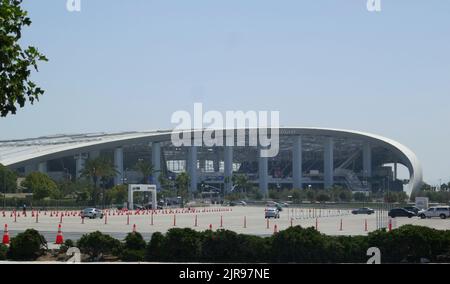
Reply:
x=307, y=158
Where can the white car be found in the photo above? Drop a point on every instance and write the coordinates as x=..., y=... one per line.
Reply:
x=272, y=213
x=442, y=212
x=92, y=213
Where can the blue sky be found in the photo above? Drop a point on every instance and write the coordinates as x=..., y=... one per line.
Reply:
x=128, y=65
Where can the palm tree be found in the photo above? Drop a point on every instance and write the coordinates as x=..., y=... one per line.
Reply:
x=98, y=169
x=182, y=183
x=145, y=168
x=241, y=181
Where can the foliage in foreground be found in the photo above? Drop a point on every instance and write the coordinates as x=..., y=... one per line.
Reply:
x=28, y=245
x=408, y=244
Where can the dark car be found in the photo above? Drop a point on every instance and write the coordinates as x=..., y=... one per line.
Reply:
x=400, y=212
x=413, y=209
x=367, y=211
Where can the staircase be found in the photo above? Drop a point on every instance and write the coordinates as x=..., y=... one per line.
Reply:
x=351, y=179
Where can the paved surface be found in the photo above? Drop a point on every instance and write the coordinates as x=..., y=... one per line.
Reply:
x=328, y=222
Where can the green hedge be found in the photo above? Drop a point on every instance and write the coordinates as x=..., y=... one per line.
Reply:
x=28, y=245
x=408, y=244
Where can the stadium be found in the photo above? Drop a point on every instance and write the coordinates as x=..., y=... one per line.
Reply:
x=307, y=158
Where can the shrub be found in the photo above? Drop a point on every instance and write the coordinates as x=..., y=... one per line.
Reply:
x=3, y=251
x=67, y=244
x=220, y=246
x=410, y=243
x=134, y=241
x=131, y=255
x=134, y=248
x=298, y=245
x=154, y=248
x=28, y=245
x=181, y=245
x=97, y=244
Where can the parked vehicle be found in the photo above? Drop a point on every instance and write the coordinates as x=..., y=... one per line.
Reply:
x=413, y=209
x=442, y=212
x=366, y=211
x=92, y=213
x=242, y=203
x=400, y=212
x=272, y=212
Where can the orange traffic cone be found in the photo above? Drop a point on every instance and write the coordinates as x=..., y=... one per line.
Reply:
x=6, y=235
x=59, y=236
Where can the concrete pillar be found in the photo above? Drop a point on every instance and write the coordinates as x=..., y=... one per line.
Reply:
x=297, y=159
x=263, y=175
x=395, y=171
x=328, y=154
x=216, y=162
x=130, y=197
x=367, y=160
x=228, y=167
x=42, y=167
x=156, y=162
x=118, y=164
x=79, y=165
x=30, y=168
x=94, y=154
x=192, y=167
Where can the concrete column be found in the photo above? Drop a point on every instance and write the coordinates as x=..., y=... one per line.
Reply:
x=395, y=171
x=228, y=167
x=130, y=197
x=328, y=154
x=367, y=160
x=94, y=154
x=30, y=168
x=42, y=167
x=192, y=167
x=216, y=160
x=118, y=164
x=79, y=165
x=263, y=175
x=156, y=162
x=297, y=159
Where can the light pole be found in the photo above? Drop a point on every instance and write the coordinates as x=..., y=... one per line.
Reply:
x=4, y=189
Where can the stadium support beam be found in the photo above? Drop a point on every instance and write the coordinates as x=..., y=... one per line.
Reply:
x=328, y=155
x=156, y=162
x=118, y=164
x=42, y=167
x=395, y=171
x=263, y=175
x=94, y=154
x=79, y=165
x=297, y=161
x=228, y=167
x=216, y=160
x=192, y=168
x=367, y=160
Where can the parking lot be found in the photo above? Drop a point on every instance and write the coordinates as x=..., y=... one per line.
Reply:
x=248, y=220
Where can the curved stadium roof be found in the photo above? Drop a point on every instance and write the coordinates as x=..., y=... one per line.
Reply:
x=16, y=153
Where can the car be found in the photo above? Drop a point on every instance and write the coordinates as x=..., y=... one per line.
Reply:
x=400, y=212
x=284, y=204
x=364, y=210
x=442, y=212
x=279, y=207
x=92, y=213
x=272, y=212
x=413, y=209
x=242, y=203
